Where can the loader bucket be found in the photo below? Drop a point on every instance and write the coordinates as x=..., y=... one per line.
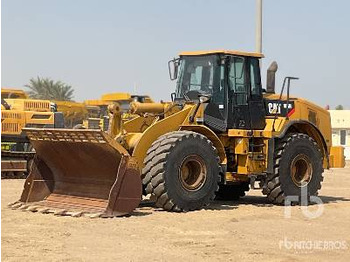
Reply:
x=80, y=172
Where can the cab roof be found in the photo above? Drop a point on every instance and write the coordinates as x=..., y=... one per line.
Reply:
x=225, y=52
x=18, y=93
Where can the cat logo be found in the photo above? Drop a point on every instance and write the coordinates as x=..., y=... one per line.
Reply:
x=281, y=108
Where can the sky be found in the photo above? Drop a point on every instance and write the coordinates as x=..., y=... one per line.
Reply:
x=105, y=46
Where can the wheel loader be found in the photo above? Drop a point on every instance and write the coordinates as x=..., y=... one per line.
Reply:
x=221, y=134
x=93, y=114
x=13, y=93
x=18, y=112
x=101, y=117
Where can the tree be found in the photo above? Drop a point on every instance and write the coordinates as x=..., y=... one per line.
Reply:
x=46, y=88
x=339, y=107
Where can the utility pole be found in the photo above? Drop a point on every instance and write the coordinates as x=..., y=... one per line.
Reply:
x=258, y=29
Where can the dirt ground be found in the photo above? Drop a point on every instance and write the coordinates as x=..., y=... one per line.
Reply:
x=247, y=230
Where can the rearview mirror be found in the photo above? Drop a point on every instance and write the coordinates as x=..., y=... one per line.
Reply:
x=173, y=66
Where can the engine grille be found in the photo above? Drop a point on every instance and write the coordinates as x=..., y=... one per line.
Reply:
x=10, y=128
x=10, y=115
x=36, y=106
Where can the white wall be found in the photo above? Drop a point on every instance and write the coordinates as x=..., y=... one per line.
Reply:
x=336, y=140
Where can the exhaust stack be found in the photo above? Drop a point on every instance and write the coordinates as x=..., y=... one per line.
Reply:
x=270, y=78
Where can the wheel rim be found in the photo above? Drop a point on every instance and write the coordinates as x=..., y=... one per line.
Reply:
x=301, y=170
x=192, y=173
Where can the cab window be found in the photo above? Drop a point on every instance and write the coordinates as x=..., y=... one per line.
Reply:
x=236, y=80
x=255, y=79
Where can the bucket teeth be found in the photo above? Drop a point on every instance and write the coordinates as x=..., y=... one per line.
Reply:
x=106, y=216
x=43, y=210
x=16, y=206
x=12, y=203
x=94, y=215
x=33, y=208
x=60, y=212
x=75, y=214
x=23, y=207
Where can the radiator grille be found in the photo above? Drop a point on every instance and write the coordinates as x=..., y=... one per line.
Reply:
x=35, y=105
x=10, y=128
x=10, y=115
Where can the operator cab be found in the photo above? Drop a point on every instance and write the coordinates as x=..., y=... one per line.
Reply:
x=230, y=79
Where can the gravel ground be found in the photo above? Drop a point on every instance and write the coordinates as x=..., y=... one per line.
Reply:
x=248, y=230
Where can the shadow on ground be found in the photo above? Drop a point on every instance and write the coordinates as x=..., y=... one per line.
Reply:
x=332, y=199
x=220, y=205
x=247, y=200
x=258, y=201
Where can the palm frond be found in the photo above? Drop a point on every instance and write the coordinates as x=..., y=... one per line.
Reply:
x=46, y=88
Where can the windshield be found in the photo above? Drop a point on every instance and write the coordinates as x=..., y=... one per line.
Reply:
x=200, y=73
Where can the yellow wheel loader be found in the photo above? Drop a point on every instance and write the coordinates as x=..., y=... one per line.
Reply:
x=98, y=109
x=13, y=93
x=221, y=135
x=79, y=115
x=18, y=112
x=93, y=114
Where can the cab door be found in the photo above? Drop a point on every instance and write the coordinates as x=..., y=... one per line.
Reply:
x=246, y=107
x=238, y=93
x=256, y=100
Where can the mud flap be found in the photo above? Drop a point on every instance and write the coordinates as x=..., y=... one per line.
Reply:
x=80, y=172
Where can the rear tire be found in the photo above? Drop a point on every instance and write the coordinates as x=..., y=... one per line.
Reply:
x=182, y=171
x=297, y=164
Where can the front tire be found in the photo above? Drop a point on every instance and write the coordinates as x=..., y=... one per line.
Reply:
x=182, y=171
x=297, y=168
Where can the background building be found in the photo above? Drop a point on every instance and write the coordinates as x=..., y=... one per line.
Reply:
x=341, y=129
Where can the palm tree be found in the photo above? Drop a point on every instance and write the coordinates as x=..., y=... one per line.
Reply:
x=46, y=88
